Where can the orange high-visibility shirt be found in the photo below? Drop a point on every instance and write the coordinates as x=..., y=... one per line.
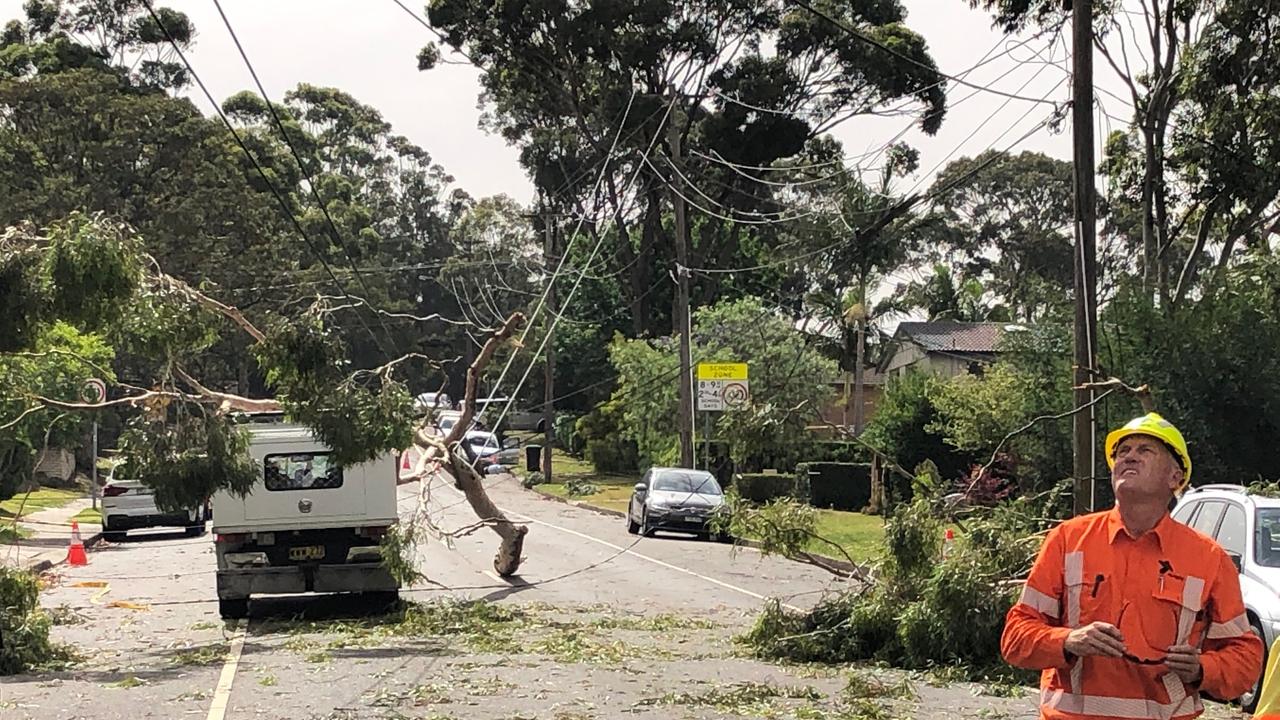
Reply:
x=1169, y=586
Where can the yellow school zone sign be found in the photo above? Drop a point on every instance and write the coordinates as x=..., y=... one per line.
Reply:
x=722, y=371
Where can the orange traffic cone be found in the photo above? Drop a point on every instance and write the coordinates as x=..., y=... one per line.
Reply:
x=404, y=462
x=76, y=554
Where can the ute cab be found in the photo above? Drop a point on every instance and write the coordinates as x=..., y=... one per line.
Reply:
x=308, y=525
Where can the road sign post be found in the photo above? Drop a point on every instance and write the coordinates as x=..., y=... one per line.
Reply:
x=94, y=391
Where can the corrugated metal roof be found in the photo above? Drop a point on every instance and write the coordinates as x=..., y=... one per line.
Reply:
x=951, y=336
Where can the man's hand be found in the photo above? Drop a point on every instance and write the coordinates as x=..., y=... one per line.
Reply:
x=1184, y=661
x=1096, y=638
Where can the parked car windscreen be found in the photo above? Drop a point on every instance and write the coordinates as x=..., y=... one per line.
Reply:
x=1267, y=550
x=700, y=483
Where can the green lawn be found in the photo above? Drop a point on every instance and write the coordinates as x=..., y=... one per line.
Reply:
x=37, y=500
x=9, y=533
x=615, y=490
x=88, y=515
x=861, y=536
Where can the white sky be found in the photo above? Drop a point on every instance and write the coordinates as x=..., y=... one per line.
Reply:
x=368, y=48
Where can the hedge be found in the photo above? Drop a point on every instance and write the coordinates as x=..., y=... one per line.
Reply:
x=566, y=434
x=761, y=487
x=840, y=486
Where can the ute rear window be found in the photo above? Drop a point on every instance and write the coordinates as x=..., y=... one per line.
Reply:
x=301, y=471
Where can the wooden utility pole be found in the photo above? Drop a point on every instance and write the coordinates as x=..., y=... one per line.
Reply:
x=1084, y=423
x=859, y=377
x=550, y=259
x=680, y=308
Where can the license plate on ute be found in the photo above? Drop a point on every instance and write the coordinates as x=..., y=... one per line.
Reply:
x=307, y=552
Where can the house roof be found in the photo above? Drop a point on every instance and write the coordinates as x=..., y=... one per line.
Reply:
x=952, y=336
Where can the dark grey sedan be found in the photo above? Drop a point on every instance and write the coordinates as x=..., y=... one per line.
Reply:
x=676, y=499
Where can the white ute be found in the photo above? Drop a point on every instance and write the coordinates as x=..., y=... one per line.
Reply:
x=308, y=525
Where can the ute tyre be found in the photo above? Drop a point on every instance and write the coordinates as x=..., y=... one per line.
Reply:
x=233, y=608
x=382, y=601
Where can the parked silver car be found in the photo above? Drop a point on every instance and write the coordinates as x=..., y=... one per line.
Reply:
x=1247, y=526
x=675, y=499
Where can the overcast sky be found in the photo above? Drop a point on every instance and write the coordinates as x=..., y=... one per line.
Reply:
x=368, y=49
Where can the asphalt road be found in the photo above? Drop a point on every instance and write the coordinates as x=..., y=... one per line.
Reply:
x=143, y=615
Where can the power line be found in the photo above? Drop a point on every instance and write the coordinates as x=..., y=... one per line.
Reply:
x=262, y=174
x=832, y=246
x=885, y=48
x=302, y=167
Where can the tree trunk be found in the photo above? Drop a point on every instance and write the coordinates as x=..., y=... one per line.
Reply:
x=507, y=561
x=857, y=375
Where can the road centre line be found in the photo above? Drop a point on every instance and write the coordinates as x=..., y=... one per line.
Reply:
x=222, y=694
x=646, y=558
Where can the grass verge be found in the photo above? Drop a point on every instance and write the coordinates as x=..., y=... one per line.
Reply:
x=36, y=500
x=88, y=516
x=861, y=536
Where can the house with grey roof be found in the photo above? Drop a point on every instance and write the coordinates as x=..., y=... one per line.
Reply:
x=943, y=347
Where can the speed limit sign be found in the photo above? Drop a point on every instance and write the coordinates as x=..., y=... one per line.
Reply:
x=93, y=391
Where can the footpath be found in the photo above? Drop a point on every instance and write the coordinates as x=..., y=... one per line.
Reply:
x=46, y=536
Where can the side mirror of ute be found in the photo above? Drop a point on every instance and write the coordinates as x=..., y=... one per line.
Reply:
x=1237, y=561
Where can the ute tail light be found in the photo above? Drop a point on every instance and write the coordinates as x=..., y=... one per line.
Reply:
x=114, y=490
x=231, y=538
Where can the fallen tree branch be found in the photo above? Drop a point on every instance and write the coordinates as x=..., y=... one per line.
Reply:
x=227, y=401
x=1142, y=392
x=1030, y=424
x=507, y=560
x=209, y=303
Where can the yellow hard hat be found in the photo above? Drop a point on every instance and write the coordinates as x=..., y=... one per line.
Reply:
x=1159, y=428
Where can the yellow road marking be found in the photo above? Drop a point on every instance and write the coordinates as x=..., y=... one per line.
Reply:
x=222, y=694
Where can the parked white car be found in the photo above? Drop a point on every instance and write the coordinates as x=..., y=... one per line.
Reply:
x=1247, y=526
x=308, y=524
x=130, y=505
x=434, y=401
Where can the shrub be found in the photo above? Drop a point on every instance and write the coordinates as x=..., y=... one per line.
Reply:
x=533, y=479
x=579, y=487
x=566, y=432
x=24, y=627
x=603, y=442
x=842, y=486
x=761, y=488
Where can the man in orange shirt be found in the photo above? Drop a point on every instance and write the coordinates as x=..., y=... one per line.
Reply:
x=1127, y=612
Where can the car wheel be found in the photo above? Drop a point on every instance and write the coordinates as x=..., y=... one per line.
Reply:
x=645, y=530
x=633, y=527
x=234, y=608
x=196, y=528
x=1249, y=701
